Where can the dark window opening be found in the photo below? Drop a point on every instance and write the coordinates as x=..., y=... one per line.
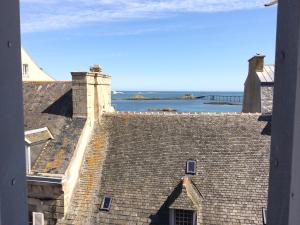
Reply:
x=25, y=69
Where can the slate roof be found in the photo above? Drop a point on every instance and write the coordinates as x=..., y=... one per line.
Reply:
x=49, y=104
x=142, y=158
x=267, y=76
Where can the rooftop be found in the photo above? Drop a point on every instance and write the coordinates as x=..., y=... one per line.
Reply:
x=267, y=76
x=139, y=160
x=49, y=104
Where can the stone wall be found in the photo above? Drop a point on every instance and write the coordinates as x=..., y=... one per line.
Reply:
x=267, y=99
x=47, y=198
x=91, y=94
x=79, y=94
x=252, y=96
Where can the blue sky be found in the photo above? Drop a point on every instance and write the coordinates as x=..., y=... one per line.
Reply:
x=189, y=45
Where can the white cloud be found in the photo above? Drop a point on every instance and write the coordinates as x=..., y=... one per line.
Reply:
x=43, y=15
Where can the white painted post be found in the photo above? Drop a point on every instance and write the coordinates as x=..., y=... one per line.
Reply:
x=284, y=185
x=13, y=206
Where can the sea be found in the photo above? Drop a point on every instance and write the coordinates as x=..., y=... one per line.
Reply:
x=197, y=105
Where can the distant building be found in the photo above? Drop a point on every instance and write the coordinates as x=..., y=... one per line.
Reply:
x=31, y=71
x=88, y=165
x=258, y=91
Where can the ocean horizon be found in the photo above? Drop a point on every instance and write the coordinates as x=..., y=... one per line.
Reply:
x=178, y=105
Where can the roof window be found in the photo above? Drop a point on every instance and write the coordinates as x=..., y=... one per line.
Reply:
x=106, y=203
x=38, y=136
x=191, y=167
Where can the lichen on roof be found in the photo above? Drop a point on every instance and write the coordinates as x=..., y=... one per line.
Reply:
x=145, y=157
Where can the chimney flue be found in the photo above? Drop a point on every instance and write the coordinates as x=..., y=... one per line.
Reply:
x=91, y=93
x=256, y=63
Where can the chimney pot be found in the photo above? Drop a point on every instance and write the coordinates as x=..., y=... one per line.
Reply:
x=96, y=68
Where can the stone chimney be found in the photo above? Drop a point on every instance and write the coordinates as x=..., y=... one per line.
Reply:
x=91, y=93
x=256, y=63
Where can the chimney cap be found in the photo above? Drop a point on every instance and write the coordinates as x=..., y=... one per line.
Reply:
x=96, y=68
x=258, y=55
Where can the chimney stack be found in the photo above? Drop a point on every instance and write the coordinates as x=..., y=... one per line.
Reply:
x=256, y=63
x=91, y=93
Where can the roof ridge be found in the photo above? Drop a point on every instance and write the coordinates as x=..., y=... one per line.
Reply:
x=55, y=81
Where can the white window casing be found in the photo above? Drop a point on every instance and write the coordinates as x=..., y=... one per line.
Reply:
x=28, y=159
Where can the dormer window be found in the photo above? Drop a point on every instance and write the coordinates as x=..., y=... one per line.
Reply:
x=182, y=217
x=35, y=137
x=191, y=167
x=106, y=203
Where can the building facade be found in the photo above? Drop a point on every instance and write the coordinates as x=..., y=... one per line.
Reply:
x=31, y=71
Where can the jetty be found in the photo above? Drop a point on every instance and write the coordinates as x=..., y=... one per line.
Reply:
x=224, y=98
x=215, y=98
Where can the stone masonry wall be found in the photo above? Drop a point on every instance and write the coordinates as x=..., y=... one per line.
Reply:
x=47, y=199
x=267, y=99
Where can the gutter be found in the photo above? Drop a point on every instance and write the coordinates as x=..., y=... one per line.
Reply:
x=45, y=179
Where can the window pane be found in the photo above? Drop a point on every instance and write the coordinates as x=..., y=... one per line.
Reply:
x=192, y=166
x=106, y=203
x=184, y=217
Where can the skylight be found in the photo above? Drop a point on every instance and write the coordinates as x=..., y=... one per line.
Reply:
x=38, y=136
x=106, y=203
x=191, y=167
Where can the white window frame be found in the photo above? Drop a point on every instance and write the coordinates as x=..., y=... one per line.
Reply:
x=33, y=218
x=28, y=158
x=187, y=167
